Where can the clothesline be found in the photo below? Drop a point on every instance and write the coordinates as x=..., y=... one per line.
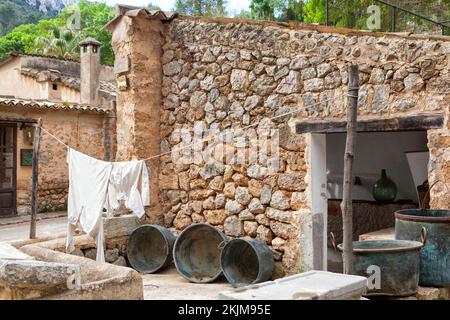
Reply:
x=204, y=140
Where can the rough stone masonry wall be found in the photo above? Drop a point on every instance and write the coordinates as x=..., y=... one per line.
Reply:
x=229, y=74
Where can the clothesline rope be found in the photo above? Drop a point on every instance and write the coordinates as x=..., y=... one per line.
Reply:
x=204, y=140
x=54, y=137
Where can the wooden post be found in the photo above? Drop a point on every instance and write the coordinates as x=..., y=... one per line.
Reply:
x=35, y=173
x=346, y=205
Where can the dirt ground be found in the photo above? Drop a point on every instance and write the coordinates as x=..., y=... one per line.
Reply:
x=169, y=285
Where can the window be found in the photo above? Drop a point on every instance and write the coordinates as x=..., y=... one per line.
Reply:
x=55, y=86
x=94, y=49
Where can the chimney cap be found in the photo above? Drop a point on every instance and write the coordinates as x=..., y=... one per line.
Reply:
x=90, y=41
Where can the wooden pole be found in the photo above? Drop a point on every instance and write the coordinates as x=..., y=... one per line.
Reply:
x=346, y=205
x=35, y=174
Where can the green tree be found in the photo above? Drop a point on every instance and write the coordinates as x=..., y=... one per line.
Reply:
x=153, y=6
x=293, y=10
x=209, y=8
x=244, y=14
x=353, y=13
x=264, y=9
x=8, y=15
x=94, y=16
x=60, y=42
x=315, y=11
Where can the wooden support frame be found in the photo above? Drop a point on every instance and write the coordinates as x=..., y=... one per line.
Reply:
x=407, y=123
x=35, y=175
x=350, y=149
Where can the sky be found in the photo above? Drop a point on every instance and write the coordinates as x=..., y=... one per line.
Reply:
x=234, y=6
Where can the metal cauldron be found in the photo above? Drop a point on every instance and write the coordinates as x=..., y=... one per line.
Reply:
x=246, y=261
x=149, y=248
x=397, y=261
x=435, y=256
x=196, y=253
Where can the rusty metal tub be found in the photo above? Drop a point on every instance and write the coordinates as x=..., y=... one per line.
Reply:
x=149, y=248
x=246, y=261
x=392, y=266
x=435, y=256
x=196, y=253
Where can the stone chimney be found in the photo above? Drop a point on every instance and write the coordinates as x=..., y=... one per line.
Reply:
x=90, y=70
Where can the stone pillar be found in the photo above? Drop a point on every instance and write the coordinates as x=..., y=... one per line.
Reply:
x=90, y=70
x=137, y=43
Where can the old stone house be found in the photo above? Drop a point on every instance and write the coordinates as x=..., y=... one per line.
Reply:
x=181, y=75
x=75, y=101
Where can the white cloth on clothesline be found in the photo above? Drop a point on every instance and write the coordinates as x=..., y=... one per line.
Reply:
x=88, y=186
x=129, y=182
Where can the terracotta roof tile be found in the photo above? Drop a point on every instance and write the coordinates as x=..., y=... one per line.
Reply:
x=35, y=104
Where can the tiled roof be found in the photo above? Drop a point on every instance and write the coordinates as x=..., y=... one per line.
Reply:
x=36, y=55
x=132, y=11
x=35, y=104
x=70, y=82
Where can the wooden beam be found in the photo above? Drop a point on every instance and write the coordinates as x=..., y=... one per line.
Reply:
x=34, y=178
x=350, y=148
x=4, y=119
x=409, y=123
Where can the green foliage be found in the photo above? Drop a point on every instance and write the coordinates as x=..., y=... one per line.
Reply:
x=94, y=16
x=53, y=37
x=60, y=42
x=153, y=6
x=264, y=9
x=208, y=8
x=353, y=13
x=16, y=12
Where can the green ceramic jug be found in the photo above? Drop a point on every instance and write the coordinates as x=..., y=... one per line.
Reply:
x=384, y=190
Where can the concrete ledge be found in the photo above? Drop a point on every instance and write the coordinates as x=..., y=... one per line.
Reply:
x=9, y=252
x=98, y=280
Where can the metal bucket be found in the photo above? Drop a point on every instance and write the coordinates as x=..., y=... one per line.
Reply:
x=246, y=261
x=149, y=248
x=395, y=262
x=435, y=256
x=196, y=253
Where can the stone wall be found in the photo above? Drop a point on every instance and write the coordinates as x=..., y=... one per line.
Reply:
x=139, y=97
x=230, y=74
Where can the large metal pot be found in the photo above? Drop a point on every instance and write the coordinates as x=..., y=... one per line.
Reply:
x=435, y=256
x=196, y=253
x=149, y=248
x=396, y=261
x=246, y=261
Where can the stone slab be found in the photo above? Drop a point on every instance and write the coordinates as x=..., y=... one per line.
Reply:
x=38, y=274
x=27, y=279
x=312, y=285
x=120, y=226
x=8, y=252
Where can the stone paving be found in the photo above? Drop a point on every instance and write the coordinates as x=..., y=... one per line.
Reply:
x=169, y=285
x=45, y=227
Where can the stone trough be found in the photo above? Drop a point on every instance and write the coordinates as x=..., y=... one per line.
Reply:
x=47, y=272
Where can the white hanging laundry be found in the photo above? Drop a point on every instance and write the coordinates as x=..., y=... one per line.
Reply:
x=88, y=186
x=124, y=186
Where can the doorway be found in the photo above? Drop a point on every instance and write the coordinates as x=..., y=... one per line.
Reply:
x=8, y=170
x=375, y=151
